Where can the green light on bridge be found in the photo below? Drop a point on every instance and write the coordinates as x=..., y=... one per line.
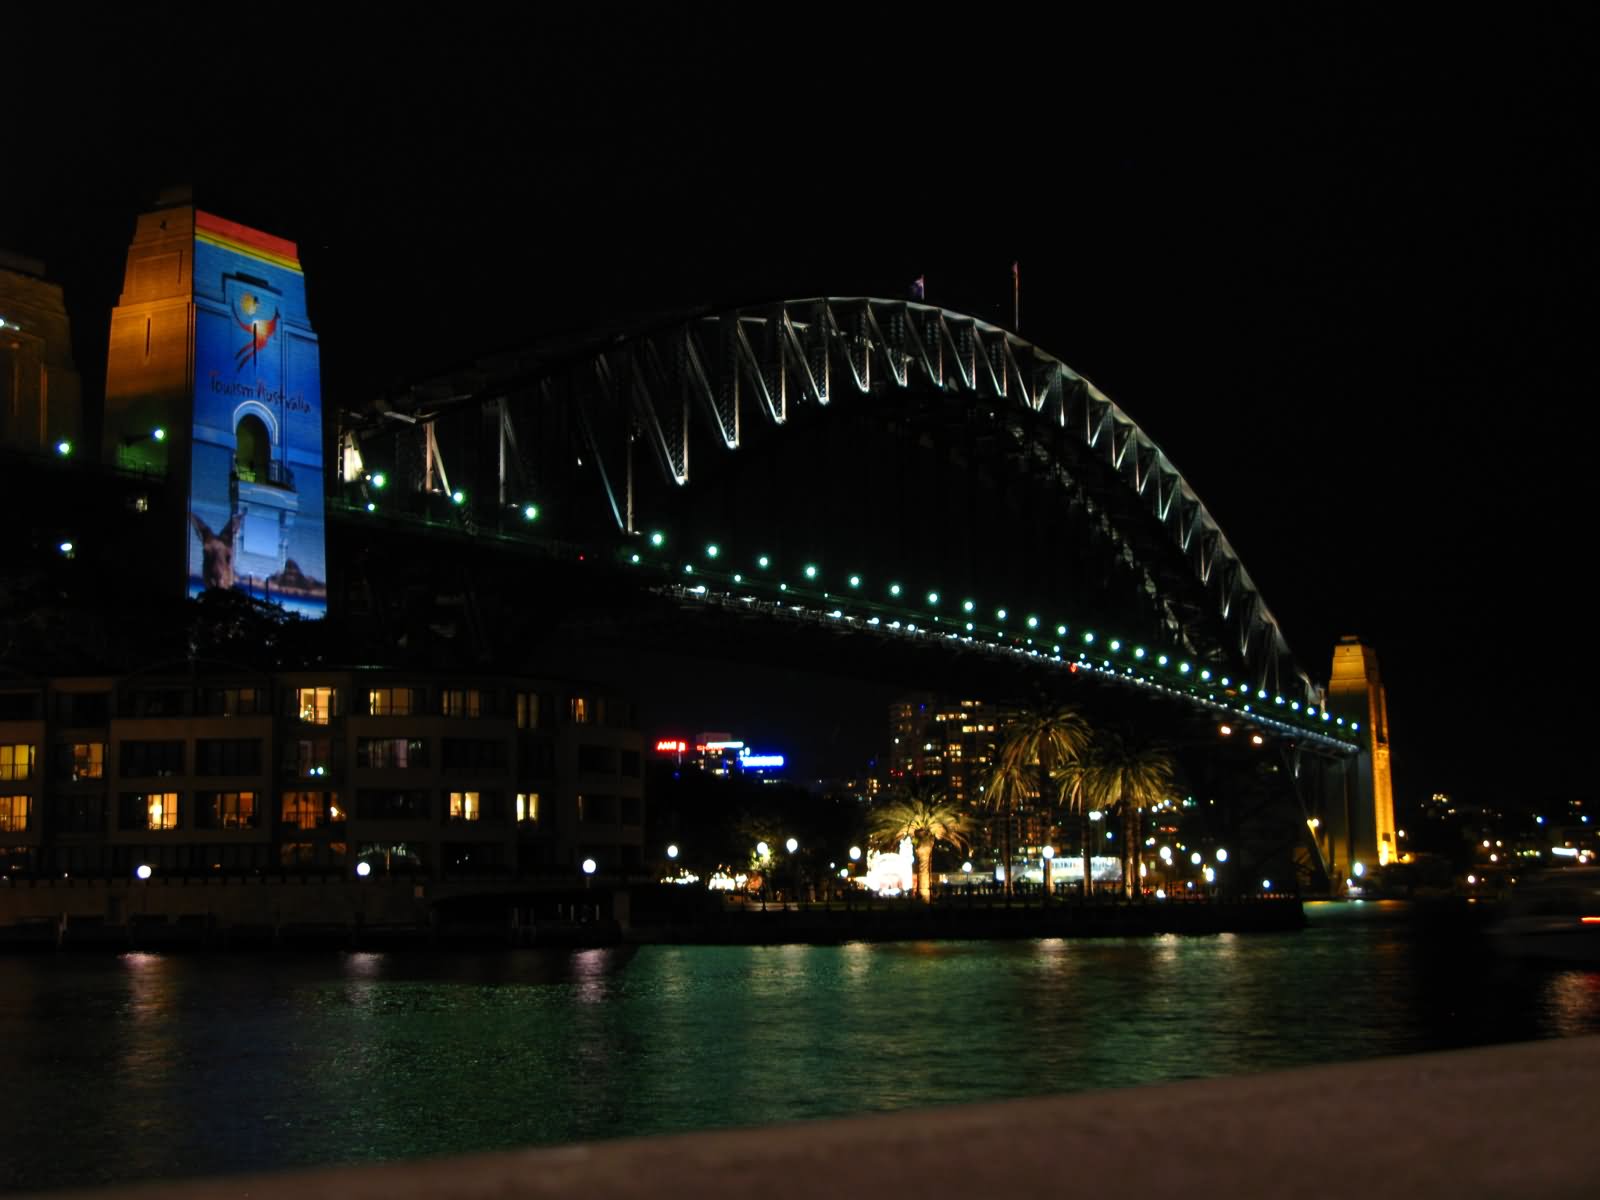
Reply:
x=1088, y=638
x=1138, y=651
x=855, y=581
x=1115, y=644
x=458, y=497
x=530, y=512
x=380, y=480
x=811, y=571
x=968, y=605
x=933, y=599
x=763, y=562
x=894, y=589
x=1061, y=631
x=658, y=538
x=999, y=614
x=1033, y=622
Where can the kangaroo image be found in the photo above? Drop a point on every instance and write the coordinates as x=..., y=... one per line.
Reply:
x=217, y=548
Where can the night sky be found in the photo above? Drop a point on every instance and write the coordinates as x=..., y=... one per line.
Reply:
x=1341, y=272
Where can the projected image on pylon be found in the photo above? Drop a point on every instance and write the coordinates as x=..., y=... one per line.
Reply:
x=255, y=497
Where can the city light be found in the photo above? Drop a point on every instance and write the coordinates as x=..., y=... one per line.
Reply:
x=658, y=538
x=1266, y=885
x=672, y=851
x=1047, y=853
x=530, y=512
x=1211, y=874
x=763, y=850
x=63, y=448
x=933, y=599
x=458, y=497
x=999, y=614
x=763, y=562
x=968, y=605
x=1225, y=730
x=894, y=589
x=712, y=550
x=66, y=548
x=143, y=871
x=363, y=869
x=379, y=480
x=1358, y=870
x=1222, y=855
x=855, y=581
x=791, y=845
x=159, y=434
x=855, y=853
x=1196, y=858
x=811, y=570
x=589, y=866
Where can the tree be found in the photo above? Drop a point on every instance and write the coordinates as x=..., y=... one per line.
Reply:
x=1038, y=744
x=1127, y=776
x=927, y=820
x=1072, y=795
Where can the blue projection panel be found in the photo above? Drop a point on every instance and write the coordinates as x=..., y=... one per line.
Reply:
x=255, y=494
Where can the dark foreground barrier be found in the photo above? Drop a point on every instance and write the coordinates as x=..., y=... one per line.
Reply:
x=1502, y=1121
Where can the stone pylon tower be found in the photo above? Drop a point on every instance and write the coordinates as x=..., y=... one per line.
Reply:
x=213, y=382
x=1355, y=692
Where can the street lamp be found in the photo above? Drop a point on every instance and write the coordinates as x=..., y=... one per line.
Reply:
x=791, y=845
x=763, y=850
x=143, y=871
x=672, y=851
x=855, y=853
x=363, y=869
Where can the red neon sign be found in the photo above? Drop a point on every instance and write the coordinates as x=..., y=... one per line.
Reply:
x=671, y=746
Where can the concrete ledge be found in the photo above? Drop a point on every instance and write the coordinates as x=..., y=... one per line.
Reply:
x=1512, y=1121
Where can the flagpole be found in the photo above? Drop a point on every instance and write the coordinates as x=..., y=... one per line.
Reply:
x=1016, y=296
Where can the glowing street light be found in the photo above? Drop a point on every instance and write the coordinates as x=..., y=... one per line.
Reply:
x=363, y=869
x=672, y=851
x=589, y=866
x=855, y=853
x=1222, y=855
x=791, y=845
x=143, y=871
x=763, y=850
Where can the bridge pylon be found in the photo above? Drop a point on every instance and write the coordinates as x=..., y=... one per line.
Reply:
x=1364, y=826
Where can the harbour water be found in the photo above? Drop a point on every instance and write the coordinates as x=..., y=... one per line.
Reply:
x=139, y=1067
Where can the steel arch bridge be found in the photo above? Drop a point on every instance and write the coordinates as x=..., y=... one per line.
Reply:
x=610, y=440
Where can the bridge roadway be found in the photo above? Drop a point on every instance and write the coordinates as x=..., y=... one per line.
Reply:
x=1042, y=648
x=1497, y=1121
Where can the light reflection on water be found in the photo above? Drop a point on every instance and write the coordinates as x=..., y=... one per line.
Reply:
x=148, y=1067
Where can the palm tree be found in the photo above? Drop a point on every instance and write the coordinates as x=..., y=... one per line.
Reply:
x=1072, y=795
x=1130, y=776
x=927, y=820
x=1038, y=744
x=1008, y=782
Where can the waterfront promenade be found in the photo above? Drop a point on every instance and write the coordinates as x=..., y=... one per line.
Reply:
x=181, y=913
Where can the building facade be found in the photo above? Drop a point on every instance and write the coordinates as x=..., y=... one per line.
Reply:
x=325, y=772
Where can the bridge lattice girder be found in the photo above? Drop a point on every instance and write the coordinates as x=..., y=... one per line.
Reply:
x=676, y=387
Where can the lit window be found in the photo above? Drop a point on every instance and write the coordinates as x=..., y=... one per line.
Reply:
x=16, y=761
x=464, y=806
x=527, y=710
x=462, y=702
x=580, y=710
x=309, y=810
x=528, y=806
x=314, y=704
x=87, y=760
x=16, y=813
x=389, y=702
x=161, y=810
x=226, y=810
